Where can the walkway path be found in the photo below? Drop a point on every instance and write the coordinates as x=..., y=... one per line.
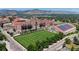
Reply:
x=12, y=45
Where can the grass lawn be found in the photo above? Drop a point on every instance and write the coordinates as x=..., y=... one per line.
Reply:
x=31, y=38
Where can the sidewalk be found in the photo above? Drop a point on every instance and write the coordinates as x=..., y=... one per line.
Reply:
x=12, y=44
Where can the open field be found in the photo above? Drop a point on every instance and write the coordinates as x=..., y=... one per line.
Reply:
x=27, y=39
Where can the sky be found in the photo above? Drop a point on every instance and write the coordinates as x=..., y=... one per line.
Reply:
x=49, y=9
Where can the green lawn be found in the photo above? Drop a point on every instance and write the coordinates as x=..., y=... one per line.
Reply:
x=27, y=39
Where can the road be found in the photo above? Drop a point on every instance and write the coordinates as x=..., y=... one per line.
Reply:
x=11, y=44
x=58, y=46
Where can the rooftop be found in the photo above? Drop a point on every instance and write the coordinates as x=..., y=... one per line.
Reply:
x=65, y=27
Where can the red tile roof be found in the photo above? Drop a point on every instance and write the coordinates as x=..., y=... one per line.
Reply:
x=20, y=22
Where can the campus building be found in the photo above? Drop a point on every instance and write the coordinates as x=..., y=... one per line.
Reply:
x=4, y=20
x=65, y=28
x=19, y=22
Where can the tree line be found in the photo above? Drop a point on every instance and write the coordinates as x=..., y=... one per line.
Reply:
x=40, y=45
x=2, y=45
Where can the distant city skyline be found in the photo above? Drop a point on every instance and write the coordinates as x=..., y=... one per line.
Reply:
x=47, y=9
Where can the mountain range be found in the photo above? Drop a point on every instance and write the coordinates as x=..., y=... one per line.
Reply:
x=35, y=11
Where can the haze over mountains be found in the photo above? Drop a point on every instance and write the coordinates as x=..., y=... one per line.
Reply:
x=34, y=11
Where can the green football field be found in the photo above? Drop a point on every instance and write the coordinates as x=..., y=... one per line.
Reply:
x=27, y=39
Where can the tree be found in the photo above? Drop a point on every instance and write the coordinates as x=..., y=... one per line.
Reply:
x=64, y=45
x=60, y=35
x=42, y=25
x=29, y=26
x=77, y=27
x=77, y=49
x=14, y=30
x=2, y=24
x=11, y=19
x=2, y=37
x=36, y=24
x=24, y=27
x=52, y=39
x=76, y=41
x=3, y=47
x=11, y=33
x=45, y=44
x=31, y=47
x=49, y=39
x=39, y=45
x=67, y=41
x=72, y=49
